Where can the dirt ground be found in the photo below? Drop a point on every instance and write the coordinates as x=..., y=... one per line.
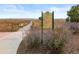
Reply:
x=72, y=47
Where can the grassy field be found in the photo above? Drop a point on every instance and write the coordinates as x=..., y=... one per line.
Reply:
x=57, y=23
x=36, y=24
x=60, y=40
x=52, y=42
x=11, y=25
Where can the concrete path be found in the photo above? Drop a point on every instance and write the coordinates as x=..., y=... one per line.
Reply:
x=11, y=40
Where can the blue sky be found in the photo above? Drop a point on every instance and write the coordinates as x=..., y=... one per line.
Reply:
x=33, y=10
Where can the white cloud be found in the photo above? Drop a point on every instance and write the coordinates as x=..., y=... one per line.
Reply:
x=60, y=12
x=11, y=11
x=14, y=11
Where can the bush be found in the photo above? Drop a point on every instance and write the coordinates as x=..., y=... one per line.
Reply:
x=67, y=19
x=74, y=27
x=51, y=43
x=73, y=13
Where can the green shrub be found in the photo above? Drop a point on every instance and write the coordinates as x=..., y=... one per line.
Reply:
x=51, y=42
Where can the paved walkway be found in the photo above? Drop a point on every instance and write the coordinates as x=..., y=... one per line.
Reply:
x=9, y=41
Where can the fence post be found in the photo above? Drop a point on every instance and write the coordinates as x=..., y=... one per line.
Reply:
x=52, y=20
x=42, y=28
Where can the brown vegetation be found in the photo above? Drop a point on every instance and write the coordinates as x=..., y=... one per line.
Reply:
x=36, y=24
x=68, y=31
x=10, y=25
x=51, y=43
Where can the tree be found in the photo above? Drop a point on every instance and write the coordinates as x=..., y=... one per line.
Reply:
x=73, y=13
x=67, y=19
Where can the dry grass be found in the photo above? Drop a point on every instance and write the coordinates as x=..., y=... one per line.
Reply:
x=36, y=24
x=11, y=25
x=52, y=42
x=61, y=40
